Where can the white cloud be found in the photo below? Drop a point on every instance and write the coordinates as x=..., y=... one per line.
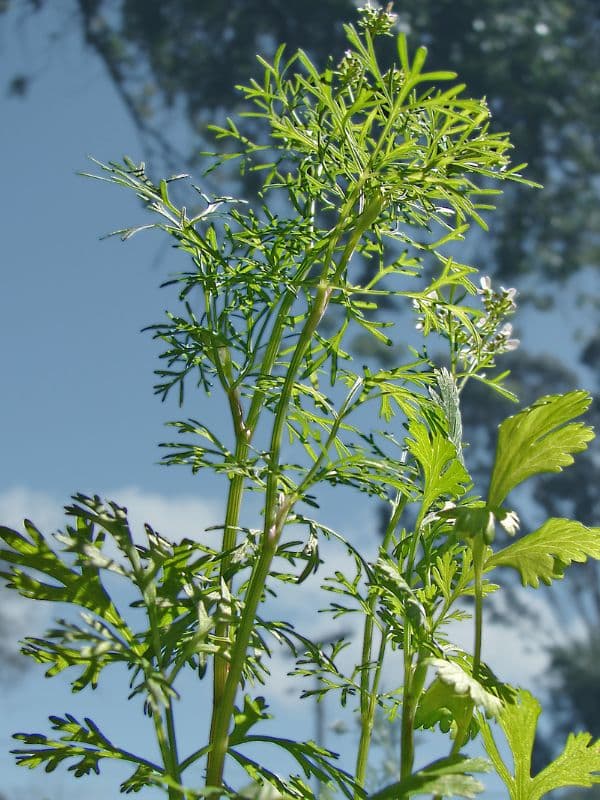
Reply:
x=173, y=517
x=188, y=516
x=19, y=503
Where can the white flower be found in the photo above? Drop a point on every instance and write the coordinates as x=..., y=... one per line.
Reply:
x=434, y=516
x=486, y=284
x=510, y=295
x=511, y=522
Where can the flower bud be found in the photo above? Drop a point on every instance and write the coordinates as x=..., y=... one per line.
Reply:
x=472, y=522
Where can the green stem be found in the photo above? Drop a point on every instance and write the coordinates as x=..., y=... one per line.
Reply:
x=414, y=675
x=168, y=757
x=274, y=521
x=368, y=715
x=172, y=740
x=220, y=731
x=274, y=518
x=228, y=676
x=478, y=549
x=244, y=433
x=222, y=628
x=414, y=680
x=368, y=691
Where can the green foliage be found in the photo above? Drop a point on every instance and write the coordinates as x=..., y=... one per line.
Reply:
x=544, y=554
x=539, y=439
x=443, y=474
x=577, y=765
x=448, y=777
x=363, y=158
x=86, y=743
x=461, y=684
x=537, y=63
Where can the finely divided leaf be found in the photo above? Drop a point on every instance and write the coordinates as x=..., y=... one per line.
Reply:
x=538, y=439
x=30, y=556
x=447, y=777
x=577, y=765
x=544, y=554
x=314, y=761
x=255, y=710
x=83, y=742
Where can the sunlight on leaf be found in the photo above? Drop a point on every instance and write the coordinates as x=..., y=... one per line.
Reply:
x=577, y=765
x=541, y=438
x=544, y=554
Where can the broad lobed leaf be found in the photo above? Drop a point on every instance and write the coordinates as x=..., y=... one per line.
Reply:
x=443, y=474
x=541, y=438
x=462, y=684
x=544, y=554
x=577, y=765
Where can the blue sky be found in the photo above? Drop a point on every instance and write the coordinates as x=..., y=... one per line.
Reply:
x=77, y=408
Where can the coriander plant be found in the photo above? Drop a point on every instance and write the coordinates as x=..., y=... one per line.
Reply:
x=364, y=164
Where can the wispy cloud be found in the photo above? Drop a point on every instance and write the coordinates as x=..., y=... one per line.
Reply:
x=20, y=502
x=173, y=517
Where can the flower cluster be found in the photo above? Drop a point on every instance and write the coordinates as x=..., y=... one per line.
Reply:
x=350, y=69
x=378, y=21
x=430, y=310
x=494, y=334
x=476, y=345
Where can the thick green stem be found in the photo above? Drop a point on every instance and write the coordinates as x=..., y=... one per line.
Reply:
x=478, y=550
x=222, y=718
x=368, y=716
x=274, y=521
x=478, y=555
x=234, y=503
x=407, y=747
x=244, y=433
x=414, y=677
x=172, y=738
x=228, y=676
x=414, y=674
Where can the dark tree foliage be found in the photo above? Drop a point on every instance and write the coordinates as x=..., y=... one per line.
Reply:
x=537, y=62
